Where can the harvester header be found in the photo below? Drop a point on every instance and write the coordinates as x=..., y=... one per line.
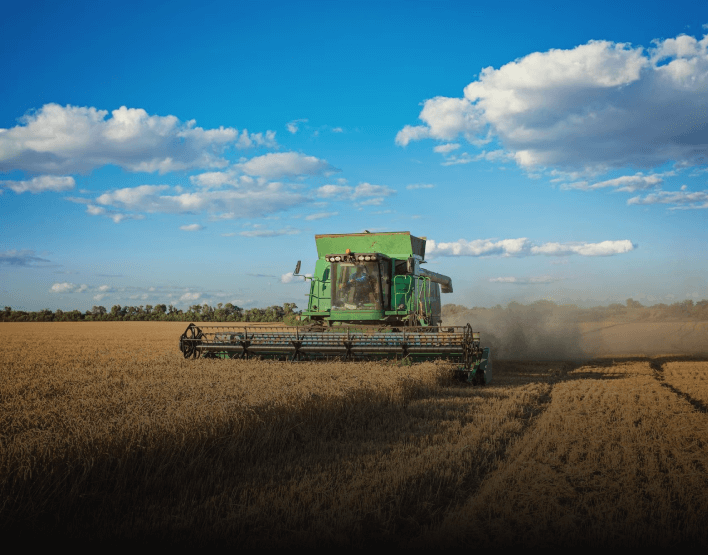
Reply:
x=369, y=298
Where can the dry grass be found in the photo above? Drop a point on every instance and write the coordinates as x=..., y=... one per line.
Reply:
x=109, y=435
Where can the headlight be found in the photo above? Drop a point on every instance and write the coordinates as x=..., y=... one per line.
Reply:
x=337, y=258
x=360, y=258
x=367, y=258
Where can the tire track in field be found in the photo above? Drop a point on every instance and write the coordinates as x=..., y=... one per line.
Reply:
x=569, y=482
x=527, y=414
x=659, y=374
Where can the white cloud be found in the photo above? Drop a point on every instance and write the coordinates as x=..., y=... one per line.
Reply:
x=294, y=125
x=73, y=139
x=446, y=148
x=682, y=199
x=420, y=186
x=477, y=247
x=118, y=217
x=320, y=215
x=273, y=165
x=288, y=278
x=93, y=210
x=214, y=179
x=63, y=287
x=40, y=184
x=369, y=190
x=190, y=296
x=584, y=108
x=523, y=247
x=259, y=199
x=348, y=193
x=68, y=287
x=602, y=249
x=99, y=296
x=445, y=119
x=192, y=228
x=635, y=182
x=334, y=192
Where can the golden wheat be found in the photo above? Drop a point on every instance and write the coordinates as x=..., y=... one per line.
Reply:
x=108, y=433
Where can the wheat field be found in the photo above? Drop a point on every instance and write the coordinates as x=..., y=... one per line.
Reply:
x=110, y=438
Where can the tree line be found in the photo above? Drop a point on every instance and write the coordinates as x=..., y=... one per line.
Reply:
x=223, y=312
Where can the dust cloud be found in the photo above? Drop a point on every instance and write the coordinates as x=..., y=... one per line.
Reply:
x=546, y=331
x=535, y=332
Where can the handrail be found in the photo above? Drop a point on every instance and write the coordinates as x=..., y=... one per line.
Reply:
x=314, y=288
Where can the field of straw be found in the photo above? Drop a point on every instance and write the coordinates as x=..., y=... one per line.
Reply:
x=109, y=438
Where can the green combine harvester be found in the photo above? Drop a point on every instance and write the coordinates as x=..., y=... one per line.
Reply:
x=369, y=299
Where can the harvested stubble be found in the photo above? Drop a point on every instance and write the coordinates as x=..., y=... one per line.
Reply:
x=109, y=435
x=616, y=462
x=689, y=377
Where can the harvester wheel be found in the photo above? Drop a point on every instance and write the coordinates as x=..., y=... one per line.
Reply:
x=189, y=343
x=187, y=349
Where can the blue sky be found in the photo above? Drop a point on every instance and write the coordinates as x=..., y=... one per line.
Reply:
x=186, y=153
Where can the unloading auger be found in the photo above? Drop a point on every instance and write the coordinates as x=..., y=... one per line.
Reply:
x=369, y=299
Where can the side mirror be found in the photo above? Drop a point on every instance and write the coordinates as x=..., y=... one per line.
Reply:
x=297, y=269
x=410, y=266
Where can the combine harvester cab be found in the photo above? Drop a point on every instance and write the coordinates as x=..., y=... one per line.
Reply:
x=369, y=299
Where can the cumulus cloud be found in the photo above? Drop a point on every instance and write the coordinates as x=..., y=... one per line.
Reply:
x=635, y=182
x=73, y=139
x=24, y=257
x=40, y=184
x=601, y=249
x=68, y=287
x=346, y=192
x=274, y=165
x=259, y=199
x=192, y=227
x=681, y=199
x=523, y=247
x=114, y=215
x=446, y=148
x=584, y=108
x=288, y=278
x=294, y=125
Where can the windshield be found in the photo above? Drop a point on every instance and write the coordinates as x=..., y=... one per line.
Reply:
x=356, y=286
